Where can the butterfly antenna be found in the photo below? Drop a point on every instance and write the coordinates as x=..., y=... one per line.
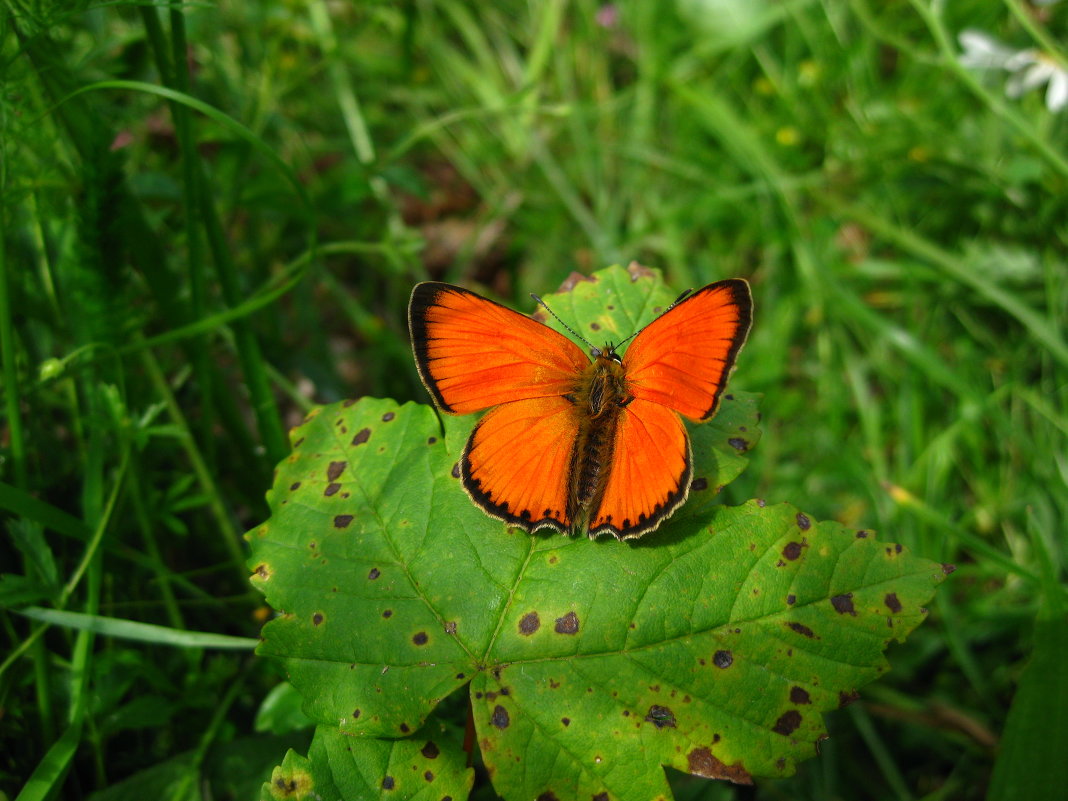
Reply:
x=674, y=303
x=545, y=306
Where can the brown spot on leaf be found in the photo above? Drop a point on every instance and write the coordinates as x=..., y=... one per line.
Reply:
x=404, y=728
x=698, y=484
x=456, y=470
x=387, y=613
x=739, y=444
x=660, y=716
x=791, y=599
x=602, y=796
x=801, y=628
x=529, y=623
x=285, y=786
x=892, y=603
x=375, y=573
x=787, y=723
x=803, y=522
x=430, y=750
x=342, y=521
x=388, y=783
x=331, y=489
x=355, y=714
x=548, y=795
x=362, y=436
x=703, y=763
x=317, y=618
x=792, y=550
x=799, y=695
x=862, y=534
x=335, y=469
x=294, y=486
x=429, y=776
x=843, y=604
x=566, y=721
x=450, y=627
x=387, y=417
x=723, y=659
x=568, y=624
x=947, y=569
x=420, y=638
x=500, y=717
x=846, y=698
x=431, y=440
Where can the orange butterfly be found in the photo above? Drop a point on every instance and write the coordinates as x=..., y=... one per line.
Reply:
x=574, y=444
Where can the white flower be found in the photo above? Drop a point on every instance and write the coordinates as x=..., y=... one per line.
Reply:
x=983, y=52
x=1032, y=68
x=1028, y=68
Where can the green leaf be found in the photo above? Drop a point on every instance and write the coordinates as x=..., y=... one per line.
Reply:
x=429, y=766
x=712, y=645
x=281, y=711
x=28, y=536
x=18, y=590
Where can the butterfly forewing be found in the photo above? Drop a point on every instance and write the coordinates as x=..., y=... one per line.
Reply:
x=473, y=353
x=682, y=359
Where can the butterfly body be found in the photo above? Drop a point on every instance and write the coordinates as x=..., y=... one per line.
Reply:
x=569, y=443
x=600, y=399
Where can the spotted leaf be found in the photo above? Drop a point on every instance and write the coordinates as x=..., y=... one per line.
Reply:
x=712, y=646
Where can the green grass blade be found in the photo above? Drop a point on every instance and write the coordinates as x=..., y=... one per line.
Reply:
x=25, y=505
x=1036, y=324
x=133, y=630
x=47, y=777
x=1031, y=763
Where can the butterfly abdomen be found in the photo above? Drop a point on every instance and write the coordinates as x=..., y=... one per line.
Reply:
x=599, y=398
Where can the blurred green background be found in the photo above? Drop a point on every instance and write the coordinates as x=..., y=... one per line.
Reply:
x=212, y=218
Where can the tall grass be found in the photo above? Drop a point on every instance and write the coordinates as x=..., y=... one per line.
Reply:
x=212, y=217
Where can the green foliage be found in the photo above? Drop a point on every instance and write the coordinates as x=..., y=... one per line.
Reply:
x=427, y=766
x=712, y=647
x=212, y=215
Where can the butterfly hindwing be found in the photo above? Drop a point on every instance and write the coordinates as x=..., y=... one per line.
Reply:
x=473, y=353
x=683, y=358
x=516, y=462
x=650, y=474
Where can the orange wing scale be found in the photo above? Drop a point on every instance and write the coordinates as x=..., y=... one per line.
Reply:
x=651, y=470
x=516, y=463
x=682, y=359
x=473, y=353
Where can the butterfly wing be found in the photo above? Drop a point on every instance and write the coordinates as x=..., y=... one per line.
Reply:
x=683, y=358
x=517, y=461
x=473, y=353
x=650, y=474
